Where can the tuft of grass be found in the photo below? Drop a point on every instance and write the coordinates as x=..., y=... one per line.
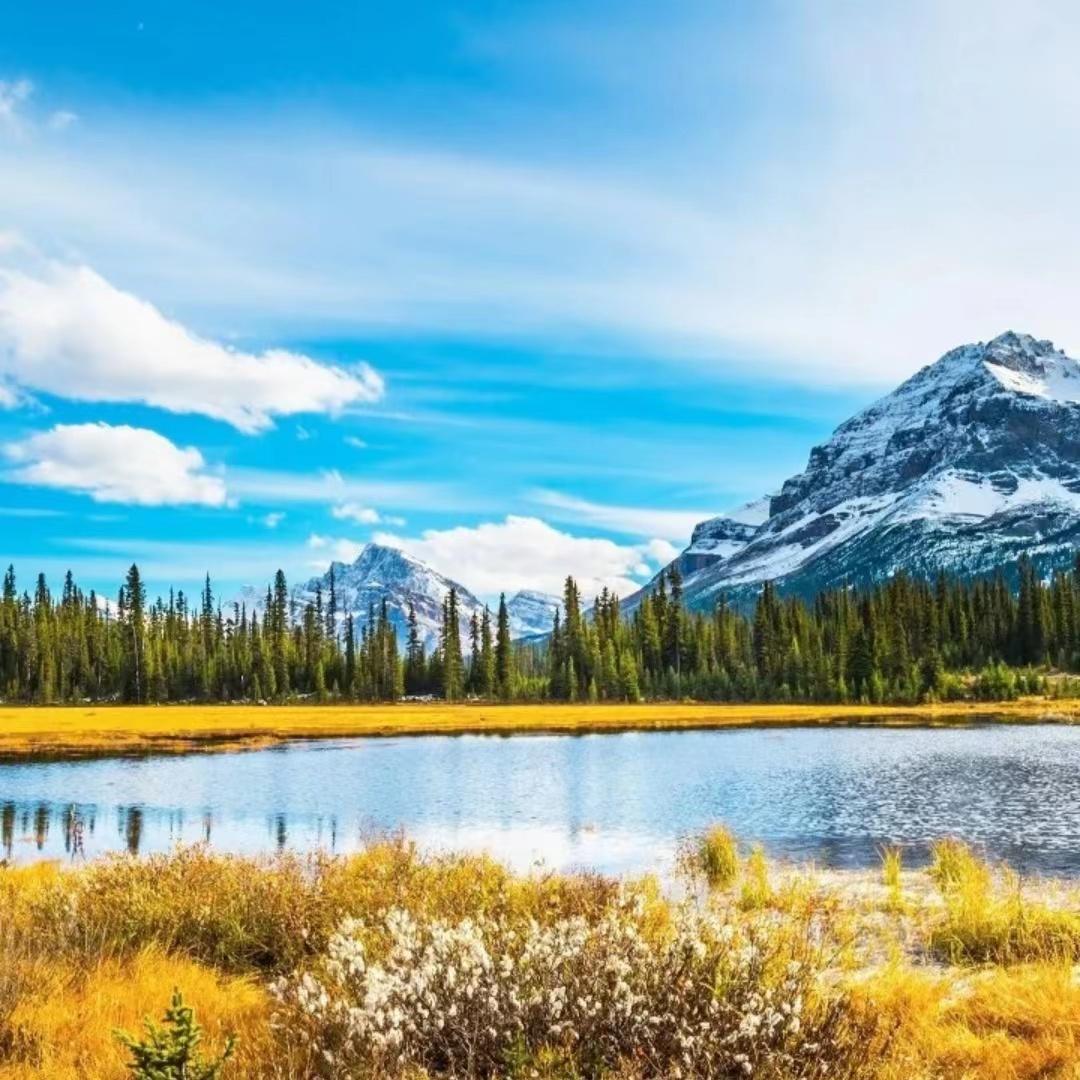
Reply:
x=957, y=870
x=718, y=857
x=892, y=863
x=756, y=890
x=980, y=926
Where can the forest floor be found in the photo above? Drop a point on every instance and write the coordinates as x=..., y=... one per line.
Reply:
x=99, y=730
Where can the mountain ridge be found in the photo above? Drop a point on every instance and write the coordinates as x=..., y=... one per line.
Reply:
x=972, y=461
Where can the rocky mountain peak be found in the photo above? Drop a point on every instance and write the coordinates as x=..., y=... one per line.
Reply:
x=971, y=460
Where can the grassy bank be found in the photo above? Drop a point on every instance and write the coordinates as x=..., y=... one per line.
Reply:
x=393, y=964
x=130, y=729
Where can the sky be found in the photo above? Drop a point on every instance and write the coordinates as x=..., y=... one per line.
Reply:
x=526, y=289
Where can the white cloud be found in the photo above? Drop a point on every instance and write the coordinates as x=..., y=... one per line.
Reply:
x=355, y=443
x=62, y=119
x=67, y=331
x=632, y=520
x=364, y=515
x=115, y=464
x=338, y=549
x=273, y=519
x=14, y=94
x=524, y=553
x=874, y=192
x=661, y=551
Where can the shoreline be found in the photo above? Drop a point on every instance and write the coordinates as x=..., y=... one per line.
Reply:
x=77, y=731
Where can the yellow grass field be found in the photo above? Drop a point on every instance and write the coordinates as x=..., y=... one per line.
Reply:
x=105, y=729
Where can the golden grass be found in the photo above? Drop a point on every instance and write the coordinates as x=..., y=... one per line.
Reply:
x=104, y=729
x=64, y=1027
x=87, y=950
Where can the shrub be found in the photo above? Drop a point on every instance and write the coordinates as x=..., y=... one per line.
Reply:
x=478, y=997
x=171, y=1051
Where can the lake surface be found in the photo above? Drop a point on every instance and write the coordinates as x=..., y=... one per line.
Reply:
x=613, y=802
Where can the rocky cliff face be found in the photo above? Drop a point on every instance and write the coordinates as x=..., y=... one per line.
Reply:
x=971, y=462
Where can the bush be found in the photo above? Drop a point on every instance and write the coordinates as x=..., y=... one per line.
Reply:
x=478, y=997
x=171, y=1051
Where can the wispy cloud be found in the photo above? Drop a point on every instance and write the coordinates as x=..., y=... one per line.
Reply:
x=333, y=486
x=832, y=222
x=631, y=520
x=364, y=515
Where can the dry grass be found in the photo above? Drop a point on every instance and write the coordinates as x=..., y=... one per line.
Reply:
x=131, y=729
x=970, y=976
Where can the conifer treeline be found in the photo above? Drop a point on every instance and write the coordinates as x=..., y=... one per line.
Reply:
x=902, y=641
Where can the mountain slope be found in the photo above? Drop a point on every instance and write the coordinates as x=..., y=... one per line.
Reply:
x=385, y=573
x=381, y=572
x=968, y=464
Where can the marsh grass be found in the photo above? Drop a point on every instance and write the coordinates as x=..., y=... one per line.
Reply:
x=86, y=951
x=756, y=891
x=892, y=865
x=983, y=924
x=715, y=855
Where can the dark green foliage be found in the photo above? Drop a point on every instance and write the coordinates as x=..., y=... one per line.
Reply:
x=171, y=1051
x=903, y=641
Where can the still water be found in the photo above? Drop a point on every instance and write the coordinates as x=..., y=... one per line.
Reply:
x=613, y=802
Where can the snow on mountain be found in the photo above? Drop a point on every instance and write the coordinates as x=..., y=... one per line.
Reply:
x=385, y=573
x=969, y=463
x=531, y=613
x=381, y=572
x=723, y=536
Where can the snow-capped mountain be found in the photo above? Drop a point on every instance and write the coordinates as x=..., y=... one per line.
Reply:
x=531, y=613
x=385, y=573
x=381, y=572
x=968, y=464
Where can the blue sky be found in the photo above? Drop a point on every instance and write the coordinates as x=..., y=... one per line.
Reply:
x=525, y=288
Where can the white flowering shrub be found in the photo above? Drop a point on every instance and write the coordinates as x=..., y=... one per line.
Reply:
x=478, y=998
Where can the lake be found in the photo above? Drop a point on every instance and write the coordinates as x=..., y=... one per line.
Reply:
x=612, y=802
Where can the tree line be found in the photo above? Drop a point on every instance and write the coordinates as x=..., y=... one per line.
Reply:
x=904, y=640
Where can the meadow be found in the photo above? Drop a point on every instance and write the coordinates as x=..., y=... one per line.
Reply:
x=399, y=964
x=109, y=729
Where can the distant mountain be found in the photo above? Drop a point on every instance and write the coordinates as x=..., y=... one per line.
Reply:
x=381, y=572
x=531, y=613
x=970, y=463
x=385, y=573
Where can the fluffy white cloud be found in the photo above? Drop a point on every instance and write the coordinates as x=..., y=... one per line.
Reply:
x=273, y=519
x=525, y=553
x=338, y=549
x=661, y=551
x=115, y=464
x=67, y=331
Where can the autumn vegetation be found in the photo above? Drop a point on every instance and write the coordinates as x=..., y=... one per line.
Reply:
x=395, y=963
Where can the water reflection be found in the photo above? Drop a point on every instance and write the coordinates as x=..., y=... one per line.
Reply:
x=612, y=802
